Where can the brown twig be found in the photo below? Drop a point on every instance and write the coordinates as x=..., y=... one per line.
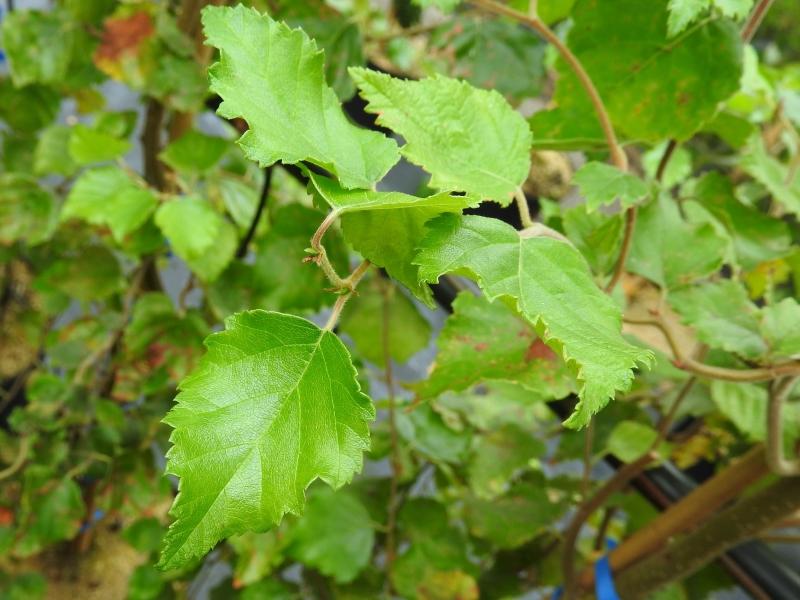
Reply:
x=347, y=284
x=754, y=20
x=627, y=240
x=241, y=252
x=685, y=363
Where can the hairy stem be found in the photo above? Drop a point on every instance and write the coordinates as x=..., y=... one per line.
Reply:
x=779, y=390
x=349, y=284
x=321, y=257
x=524, y=209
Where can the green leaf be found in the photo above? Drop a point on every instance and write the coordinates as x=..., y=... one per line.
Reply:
x=773, y=174
x=28, y=109
x=444, y=5
x=781, y=327
x=671, y=252
x=425, y=431
x=108, y=196
x=334, y=535
x=497, y=456
x=38, y=45
x=596, y=235
x=484, y=340
x=90, y=145
x=745, y=404
x=513, y=519
x=194, y=152
x=493, y=54
x=90, y=272
x=723, y=316
x=537, y=274
x=52, y=152
x=683, y=13
x=27, y=211
x=468, y=139
x=50, y=512
x=678, y=169
x=653, y=87
x=258, y=554
x=198, y=234
x=630, y=439
x=496, y=404
x=347, y=201
x=273, y=77
x=271, y=407
x=756, y=236
x=602, y=184
x=363, y=321
x=341, y=40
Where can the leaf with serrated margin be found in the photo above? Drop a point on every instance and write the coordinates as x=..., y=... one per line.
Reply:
x=468, y=139
x=271, y=407
x=723, y=316
x=273, y=77
x=773, y=174
x=550, y=284
x=780, y=324
x=602, y=184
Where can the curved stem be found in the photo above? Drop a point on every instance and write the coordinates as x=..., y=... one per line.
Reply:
x=665, y=158
x=618, y=156
x=347, y=284
x=241, y=252
x=321, y=257
x=19, y=459
x=524, y=209
x=691, y=365
x=778, y=392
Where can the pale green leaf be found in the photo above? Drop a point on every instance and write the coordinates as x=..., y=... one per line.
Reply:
x=89, y=145
x=630, y=439
x=498, y=456
x=772, y=174
x=190, y=224
x=468, y=139
x=602, y=184
x=745, y=404
x=52, y=152
x=653, y=87
x=484, y=340
x=38, y=45
x=683, y=13
x=495, y=404
x=671, y=252
x=334, y=535
x=271, y=407
x=780, y=325
x=194, y=152
x=363, y=321
x=679, y=166
x=537, y=274
x=27, y=210
x=723, y=316
x=273, y=77
x=108, y=196
x=596, y=235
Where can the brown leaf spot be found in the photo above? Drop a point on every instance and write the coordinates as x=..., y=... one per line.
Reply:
x=538, y=350
x=122, y=36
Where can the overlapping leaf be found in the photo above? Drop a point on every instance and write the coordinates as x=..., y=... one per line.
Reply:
x=550, y=284
x=602, y=184
x=468, y=139
x=272, y=77
x=272, y=406
x=654, y=87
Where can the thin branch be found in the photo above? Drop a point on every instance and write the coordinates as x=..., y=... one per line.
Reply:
x=685, y=363
x=779, y=390
x=620, y=479
x=19, y=459
x=588, y=447
x=627, y=239
x=754, y=20
x=617, y=153
x=396, y=463
x=524, y=209
x=665, y=158
x=348, y=284
x=321, y=256
x=241, y=252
